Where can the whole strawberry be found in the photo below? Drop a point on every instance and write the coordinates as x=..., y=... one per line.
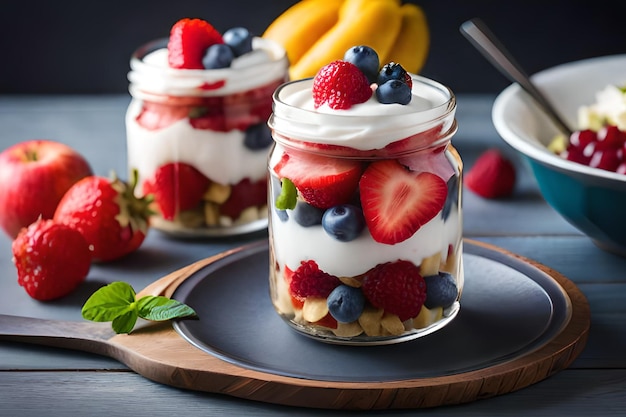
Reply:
x=492, y=176
x=189, y=40
x=52, y=259
x=396, y=287
x=113, y=221
x=340, y=85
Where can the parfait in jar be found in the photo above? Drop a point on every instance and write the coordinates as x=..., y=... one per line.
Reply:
x=365, y=203
x=197, y=129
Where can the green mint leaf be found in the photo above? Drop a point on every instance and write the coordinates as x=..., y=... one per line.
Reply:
x=157, y=308
x=288, y=195
x=109, y=302
x=125, y=322
x=117, y=303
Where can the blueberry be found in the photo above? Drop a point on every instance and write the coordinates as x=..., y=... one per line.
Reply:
x=346, y=303
x=441, y=290
x=366, y=59
x=453, y=196
x=217, y=56
x=344, y=222
x=239, y=39
x=393, y=91
x=307, y=215
x=391, y=71
x=258, y=137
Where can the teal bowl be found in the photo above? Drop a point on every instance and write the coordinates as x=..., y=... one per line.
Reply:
x=591, y=199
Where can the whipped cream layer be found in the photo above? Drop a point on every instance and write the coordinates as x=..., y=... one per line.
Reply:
x=294, y=243
x=220, y=156
x=151, y=73
x=365, y=126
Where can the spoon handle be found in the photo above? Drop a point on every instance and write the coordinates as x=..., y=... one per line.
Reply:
x=481, y=37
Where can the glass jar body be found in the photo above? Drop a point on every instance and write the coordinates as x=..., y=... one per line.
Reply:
x=199, y=141
x=344, y=268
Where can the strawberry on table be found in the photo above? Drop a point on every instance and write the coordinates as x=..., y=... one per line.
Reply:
x=340, y=85
x=176, y=186
x=112, y=220
x=397, y=202
x=492, y=176
x=52, y=259
x=189, y=40
x=321, y=181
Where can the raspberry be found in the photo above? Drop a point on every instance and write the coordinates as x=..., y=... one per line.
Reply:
x=340, y=84
x=310, y=281
x=396, y=287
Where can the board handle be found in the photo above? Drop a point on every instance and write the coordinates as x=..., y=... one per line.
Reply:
x=85, y=336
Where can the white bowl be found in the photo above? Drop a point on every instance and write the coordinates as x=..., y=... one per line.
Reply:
x=591, y=199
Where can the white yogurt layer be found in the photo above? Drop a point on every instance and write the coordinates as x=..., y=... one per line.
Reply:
x=294, y=243
x=610, y=107
x=365, y=126
x=220, y=156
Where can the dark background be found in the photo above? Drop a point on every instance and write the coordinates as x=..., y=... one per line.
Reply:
x=83, y=47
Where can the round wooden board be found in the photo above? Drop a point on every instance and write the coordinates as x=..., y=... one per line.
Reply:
x=181, y=364
x=158, y=352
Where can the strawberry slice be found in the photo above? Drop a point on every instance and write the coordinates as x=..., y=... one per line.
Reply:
x=176, y=187
x=189, y=40
x=155, y=116
x=323, y=182
x=397, y=202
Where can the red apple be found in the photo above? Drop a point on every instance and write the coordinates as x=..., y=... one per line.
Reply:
x=34, y=175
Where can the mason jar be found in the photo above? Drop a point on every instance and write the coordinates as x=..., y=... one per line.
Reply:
x=365, y=223
x=199, y=141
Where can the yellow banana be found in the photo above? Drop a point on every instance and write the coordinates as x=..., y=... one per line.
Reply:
x=301, y=25
x=375, y=23
x=351, y=8
x=411, y=46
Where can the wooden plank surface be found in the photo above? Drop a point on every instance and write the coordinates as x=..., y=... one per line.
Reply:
x=70, y=383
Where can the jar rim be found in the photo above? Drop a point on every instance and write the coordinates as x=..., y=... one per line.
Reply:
x=365, y=132
x=157, y=79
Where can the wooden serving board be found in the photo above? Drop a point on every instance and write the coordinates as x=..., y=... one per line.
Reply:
x=160, y=352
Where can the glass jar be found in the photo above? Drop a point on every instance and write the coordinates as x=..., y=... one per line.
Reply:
x=370, y=250
x=199, y=140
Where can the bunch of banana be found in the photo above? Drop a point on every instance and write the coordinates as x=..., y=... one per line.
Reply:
x=317, y=32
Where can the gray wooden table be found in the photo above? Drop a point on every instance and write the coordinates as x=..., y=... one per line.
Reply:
x=36, y=380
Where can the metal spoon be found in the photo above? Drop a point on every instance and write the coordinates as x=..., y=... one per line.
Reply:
x=481, y=37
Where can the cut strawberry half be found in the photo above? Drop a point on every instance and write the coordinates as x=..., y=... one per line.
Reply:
x=176, y=187
x=397, y=202
x=245, y=194
x=323, y=182
x=155, y=116
x=189, y=40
